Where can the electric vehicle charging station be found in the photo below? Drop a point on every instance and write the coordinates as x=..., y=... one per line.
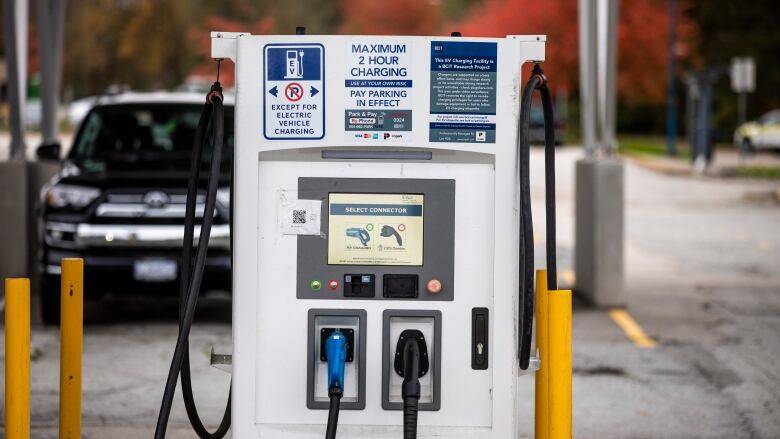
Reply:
x=376, y=219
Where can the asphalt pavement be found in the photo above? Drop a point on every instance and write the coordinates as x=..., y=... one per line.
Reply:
x=702, y=280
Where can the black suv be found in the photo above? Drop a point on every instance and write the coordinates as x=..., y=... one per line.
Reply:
x=118, y=201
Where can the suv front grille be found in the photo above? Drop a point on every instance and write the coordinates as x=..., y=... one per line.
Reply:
x=149, y=207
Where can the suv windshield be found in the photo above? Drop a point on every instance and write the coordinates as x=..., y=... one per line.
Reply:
x=143, y=137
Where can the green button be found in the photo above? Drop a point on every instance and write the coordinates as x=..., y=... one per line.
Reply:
x=315, y=285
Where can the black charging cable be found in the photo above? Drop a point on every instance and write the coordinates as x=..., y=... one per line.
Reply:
x=527, y=296
x=335, y=394
x=211, y=125
x=410, y=389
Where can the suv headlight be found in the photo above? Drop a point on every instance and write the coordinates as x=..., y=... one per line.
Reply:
x=61, y=196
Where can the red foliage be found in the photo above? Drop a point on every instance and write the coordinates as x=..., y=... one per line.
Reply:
x=390, y=17
x=642, y=39
x=642, y=52
x=555, y=18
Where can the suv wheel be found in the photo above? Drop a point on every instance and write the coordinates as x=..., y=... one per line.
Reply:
x=50, y=299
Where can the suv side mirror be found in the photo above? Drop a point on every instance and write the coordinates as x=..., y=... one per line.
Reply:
x=49, y=151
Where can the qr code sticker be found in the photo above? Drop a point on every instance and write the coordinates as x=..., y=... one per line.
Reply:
x=299, y=216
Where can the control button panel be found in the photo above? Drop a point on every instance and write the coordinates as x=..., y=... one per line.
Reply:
x=359, y=285
x=400, y=227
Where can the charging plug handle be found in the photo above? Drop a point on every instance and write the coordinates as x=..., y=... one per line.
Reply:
x=336, y=354
x=411, y=385
x=411, y=362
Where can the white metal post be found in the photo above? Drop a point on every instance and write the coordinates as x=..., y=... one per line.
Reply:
x=588, y=74
x=50, y=25
x=15, y=22
x=609, y=109
x=599, y=194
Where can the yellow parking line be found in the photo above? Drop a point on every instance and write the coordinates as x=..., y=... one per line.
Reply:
x=632, y=329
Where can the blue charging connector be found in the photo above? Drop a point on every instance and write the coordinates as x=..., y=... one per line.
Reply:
x=336, y=353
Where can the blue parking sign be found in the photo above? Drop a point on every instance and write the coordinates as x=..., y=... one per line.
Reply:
x=294, y=92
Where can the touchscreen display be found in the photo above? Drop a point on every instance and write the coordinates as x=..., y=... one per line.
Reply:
x=375, y=229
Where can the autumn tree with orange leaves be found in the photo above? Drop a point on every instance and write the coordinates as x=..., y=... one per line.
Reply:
x=390, y=17
x=150, y=44
x=642, y=37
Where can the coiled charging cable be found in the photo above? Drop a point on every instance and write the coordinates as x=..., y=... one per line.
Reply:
x=527, y=296
x=211, y=125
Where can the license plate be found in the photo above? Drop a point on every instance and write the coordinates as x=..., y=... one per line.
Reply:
x=155, y=270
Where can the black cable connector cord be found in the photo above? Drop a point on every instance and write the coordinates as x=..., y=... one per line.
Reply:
x=211, y=122
x=527, y=296
x=410, y=389
x=333, y=412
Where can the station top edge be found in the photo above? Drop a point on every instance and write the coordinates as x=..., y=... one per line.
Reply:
x=520, y=38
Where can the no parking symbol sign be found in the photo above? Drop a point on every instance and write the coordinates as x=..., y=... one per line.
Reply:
x=294, y=92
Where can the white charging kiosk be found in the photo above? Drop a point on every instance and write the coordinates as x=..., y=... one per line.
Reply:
x=376, y=191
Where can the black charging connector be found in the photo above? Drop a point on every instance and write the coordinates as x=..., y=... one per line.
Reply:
x=411, y=362
x=418, y=337
x=336, y=354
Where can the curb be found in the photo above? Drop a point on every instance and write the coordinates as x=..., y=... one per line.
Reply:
x=679, y=168
x=663, y=165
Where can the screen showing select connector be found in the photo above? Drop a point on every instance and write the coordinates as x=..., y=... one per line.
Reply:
x=375, y=229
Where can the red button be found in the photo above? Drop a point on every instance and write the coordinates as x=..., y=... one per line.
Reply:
x=333, y=284
x=434, y=286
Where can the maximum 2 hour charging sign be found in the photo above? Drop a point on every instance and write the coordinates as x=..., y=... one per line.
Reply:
x=294, y=92
x=378, y=91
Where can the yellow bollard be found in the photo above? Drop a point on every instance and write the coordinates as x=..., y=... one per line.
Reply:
x=17, y=358
x=559, y=325
x=71, y=329
x=542, y=413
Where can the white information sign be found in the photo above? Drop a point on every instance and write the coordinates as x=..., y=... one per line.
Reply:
x=743, y=75
x=378, y=90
